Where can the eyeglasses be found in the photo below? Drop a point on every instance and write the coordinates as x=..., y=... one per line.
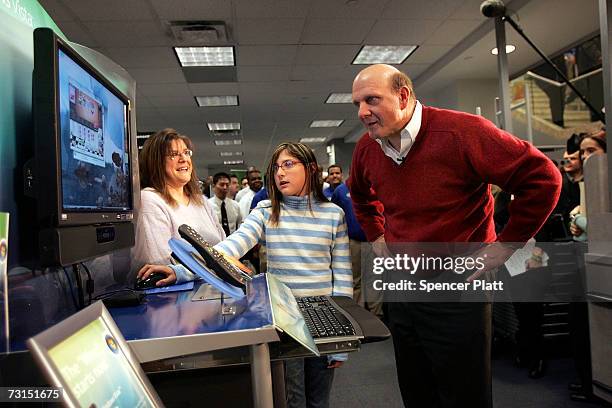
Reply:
x=286, y=165
x=185, y=153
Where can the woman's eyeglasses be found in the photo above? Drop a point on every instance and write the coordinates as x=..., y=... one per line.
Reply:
x=286, y=165
x=185, y=153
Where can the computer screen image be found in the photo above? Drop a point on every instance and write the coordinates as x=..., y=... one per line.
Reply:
x=87, y=356
x=94, y=141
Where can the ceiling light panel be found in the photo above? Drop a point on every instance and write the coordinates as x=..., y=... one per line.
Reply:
x=509, y=48
x=230, y=162
x=224, y=126
x=339, y=98
x=230, y=154
x=383, y=54
x=325, y=123
x=228, y=142
x=312, y=140
x=221, y=100
x=205, y=56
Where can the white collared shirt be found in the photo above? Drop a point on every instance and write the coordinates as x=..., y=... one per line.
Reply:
x=407, y=136
x=234, y=217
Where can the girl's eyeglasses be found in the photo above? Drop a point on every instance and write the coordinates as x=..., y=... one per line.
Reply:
x=185, y=153
x=286, y=165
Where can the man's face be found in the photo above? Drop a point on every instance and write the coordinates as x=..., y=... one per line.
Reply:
x=233, y=187
x=255, y=181
x=334, y=176
x=221, y=188
x=572, y=162
x=379, y=107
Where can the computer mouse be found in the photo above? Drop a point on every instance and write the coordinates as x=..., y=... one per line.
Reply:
x=150, y=282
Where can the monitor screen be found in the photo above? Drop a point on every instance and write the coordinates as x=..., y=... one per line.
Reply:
x=88, y=357
x=94, y=143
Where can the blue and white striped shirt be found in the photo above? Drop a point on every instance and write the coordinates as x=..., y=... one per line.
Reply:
x=307, y=250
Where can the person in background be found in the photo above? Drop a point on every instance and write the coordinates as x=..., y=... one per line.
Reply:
x=255, y=184
x=308, y=250
x=170, y=197
x=430, y=170
x=244, y=183
x=582, y=390
x=334, y=179
x=234, y=186
x=226, y=209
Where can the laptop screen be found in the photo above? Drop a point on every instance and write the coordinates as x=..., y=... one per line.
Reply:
x=93, y=364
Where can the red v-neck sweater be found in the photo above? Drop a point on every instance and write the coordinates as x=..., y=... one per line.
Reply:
x=441, y=191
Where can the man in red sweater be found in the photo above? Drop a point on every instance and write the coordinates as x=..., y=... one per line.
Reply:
x=422, y=174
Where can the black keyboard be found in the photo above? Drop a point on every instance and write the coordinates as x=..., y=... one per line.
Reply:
x=323, y=319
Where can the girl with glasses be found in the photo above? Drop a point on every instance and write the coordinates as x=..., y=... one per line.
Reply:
x=307, y=248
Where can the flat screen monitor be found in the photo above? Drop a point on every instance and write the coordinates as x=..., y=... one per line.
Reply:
x=87, y=356
x=82, y=134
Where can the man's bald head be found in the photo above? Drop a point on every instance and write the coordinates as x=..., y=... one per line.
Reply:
x=395, y=78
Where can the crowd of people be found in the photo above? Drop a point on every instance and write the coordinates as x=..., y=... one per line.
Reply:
x=418, y=174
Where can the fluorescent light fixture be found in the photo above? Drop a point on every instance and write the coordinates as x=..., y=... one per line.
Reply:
x=224, y=126
x=205, y=56
x=339, y=98
x=143, y=136
x=229, y=162
x=312, y=140
x=509, y=48
x=228, y=142
x=325, y=123
x=221, y=100
x=230, y=154
x=383, y=54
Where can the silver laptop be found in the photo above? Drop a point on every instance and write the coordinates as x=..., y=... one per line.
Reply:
x=87, y=356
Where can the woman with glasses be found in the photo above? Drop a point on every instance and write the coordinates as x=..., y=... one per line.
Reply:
x=170, y=196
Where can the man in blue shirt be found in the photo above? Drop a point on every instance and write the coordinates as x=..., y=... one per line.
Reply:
x=361, y=249
x=334, y=178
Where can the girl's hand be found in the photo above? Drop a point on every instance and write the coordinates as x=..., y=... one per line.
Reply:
x=575, y=230
x=147, y=270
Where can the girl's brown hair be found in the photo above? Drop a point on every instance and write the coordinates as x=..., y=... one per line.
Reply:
x=152, y=164
x=314, y=183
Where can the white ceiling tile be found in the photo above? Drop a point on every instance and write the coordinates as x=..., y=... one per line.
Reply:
x=255, y=88
x=431, y=9
x=405, y=32
x=57, y=10
x=265, y=54
x=263, y=31
x=272, y=8
x=109, y=10
x=172, y=101
x=352, y=10
x=336, y=31
x=326, y=54
x=193, y=9
x=214, y=88
x=143, y=57
x=470, y=9
x=263, y=74
x=427, y=54
x=156, y=75
x=341, y=73
x=152, y=90
x=452, y=31
x=134, y=34
x=75, y=32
